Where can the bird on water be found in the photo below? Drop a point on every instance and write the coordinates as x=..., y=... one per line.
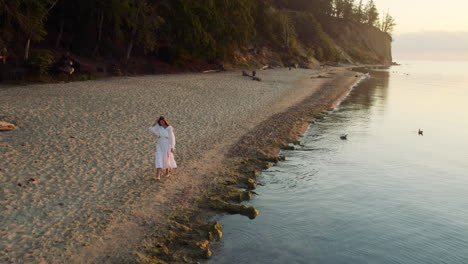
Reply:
x=344, y=137
x=420, y=132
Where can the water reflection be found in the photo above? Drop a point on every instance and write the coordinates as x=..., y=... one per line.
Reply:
x=371, y=89
x=385, y=195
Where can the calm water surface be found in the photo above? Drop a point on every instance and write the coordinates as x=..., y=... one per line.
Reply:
x=386, y=195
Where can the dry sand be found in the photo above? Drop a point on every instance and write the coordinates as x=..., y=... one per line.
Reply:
x=88, y=149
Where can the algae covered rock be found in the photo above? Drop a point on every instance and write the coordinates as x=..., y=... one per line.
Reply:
x=237, y=195
x=267, y=165
x=159, y=254
x=255, y=173
x=220, y=205
x=215, y=233
x=251, y=184
x=205, y=252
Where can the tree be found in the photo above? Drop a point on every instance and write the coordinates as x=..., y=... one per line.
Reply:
x=31, y=17
x=387, y=24
x=371, y=15
x=359, y=12
x=25, y=16
x=143, y=23
x=211, y=29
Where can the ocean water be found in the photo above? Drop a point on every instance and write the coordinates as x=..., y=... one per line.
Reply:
x=385, y=195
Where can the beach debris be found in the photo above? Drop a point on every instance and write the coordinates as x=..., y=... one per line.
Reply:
x=420, y=132
x=61, y=204
x=265, y=67
x=209, y=71
x=321, y=77
x=344, y=137
x=5, y=126
x=244, y=73
x=31, y=180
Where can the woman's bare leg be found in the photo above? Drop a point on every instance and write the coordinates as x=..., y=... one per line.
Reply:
x=167, y=173
x=158, y=174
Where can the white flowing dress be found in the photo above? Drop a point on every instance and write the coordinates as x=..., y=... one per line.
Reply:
x=166, y=141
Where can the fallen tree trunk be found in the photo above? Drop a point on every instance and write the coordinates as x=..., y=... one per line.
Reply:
x=4, y=126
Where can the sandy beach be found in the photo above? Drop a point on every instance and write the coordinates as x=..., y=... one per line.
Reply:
x=84, y=157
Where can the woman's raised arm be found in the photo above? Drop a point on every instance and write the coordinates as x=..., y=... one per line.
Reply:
x=155, y=130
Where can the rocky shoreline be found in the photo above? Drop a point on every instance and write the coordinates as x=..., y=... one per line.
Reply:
x=254, y=152
x=87, y=148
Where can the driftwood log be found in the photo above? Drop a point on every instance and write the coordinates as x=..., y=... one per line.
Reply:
x=4, y=126
x=254, y=78
x=208, y=71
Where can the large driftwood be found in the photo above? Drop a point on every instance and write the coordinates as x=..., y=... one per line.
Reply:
x=4, y=126
x=254, y=78
x=208, y=71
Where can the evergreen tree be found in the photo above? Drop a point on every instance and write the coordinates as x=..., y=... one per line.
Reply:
x=371, y=15
x=387, y=24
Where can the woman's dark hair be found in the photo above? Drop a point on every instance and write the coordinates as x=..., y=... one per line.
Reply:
x=163, y=119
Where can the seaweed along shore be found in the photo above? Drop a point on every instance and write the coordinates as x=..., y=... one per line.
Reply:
x=190, y=233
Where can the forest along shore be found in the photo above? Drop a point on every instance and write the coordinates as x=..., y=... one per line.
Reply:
x=76, y=175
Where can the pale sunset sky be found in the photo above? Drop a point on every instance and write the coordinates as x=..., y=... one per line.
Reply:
x=428, y=29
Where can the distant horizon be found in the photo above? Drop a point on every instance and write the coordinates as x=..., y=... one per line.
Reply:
x=399, y=60
x=431, y=45
x=428, y=29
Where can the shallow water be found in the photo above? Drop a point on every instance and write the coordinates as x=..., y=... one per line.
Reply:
x=385, y=195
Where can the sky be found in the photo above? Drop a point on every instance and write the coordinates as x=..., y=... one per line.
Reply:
x=428, y=29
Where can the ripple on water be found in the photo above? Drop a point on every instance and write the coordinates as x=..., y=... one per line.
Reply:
x=383, y=196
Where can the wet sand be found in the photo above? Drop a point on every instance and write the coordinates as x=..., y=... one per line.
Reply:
x=87, y=148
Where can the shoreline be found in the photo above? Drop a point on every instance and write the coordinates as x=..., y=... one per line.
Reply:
x=243, y=163
x=267, y=116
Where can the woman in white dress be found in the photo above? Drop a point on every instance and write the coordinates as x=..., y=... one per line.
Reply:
x=164, y=147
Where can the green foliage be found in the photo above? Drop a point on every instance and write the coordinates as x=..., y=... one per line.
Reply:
x=25, y=16
x=210, y=29
x=40, y=60
x=362, y=56
x=87, y=76
x=310, y=32
x=371, y=15
x=387, y=24
x=148, y=24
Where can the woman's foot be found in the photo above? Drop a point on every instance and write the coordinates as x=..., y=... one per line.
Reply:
x=168, y=175
x=157, y=179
